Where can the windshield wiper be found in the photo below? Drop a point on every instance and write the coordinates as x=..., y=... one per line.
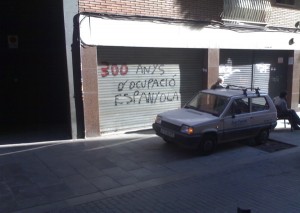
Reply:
x=190, y=107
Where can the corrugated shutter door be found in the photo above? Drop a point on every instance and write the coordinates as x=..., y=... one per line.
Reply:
x=135, y=84
x=236, y=67
x=265, y=69
x=270, y=68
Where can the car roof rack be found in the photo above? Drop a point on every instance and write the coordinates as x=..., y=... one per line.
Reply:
x=244, y=89
x=257, y=91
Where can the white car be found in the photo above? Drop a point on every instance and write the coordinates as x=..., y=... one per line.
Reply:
x=218, y=116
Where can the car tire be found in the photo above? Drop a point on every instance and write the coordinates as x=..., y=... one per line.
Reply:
x=262, y=137
x=167, y=141
x=207, y=145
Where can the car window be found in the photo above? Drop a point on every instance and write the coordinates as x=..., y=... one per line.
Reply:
x=210, y=103
x=239, y=106
x=259, y=104
x=243, y=105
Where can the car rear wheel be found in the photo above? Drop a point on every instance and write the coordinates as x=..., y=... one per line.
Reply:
x=207, y=145
x=262, y=137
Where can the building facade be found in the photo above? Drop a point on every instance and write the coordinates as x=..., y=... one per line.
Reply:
x=139, y=57
x=92, y=67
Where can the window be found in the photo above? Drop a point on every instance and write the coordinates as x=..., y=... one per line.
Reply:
x=243, y=105
x=259, y=104
x=239, y=106
x=208, y=103
x=288, y=2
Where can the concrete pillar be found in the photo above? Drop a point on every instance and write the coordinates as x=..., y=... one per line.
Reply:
x=70, y=10
x=90, y=91
x=293, y=80
x=211, y=68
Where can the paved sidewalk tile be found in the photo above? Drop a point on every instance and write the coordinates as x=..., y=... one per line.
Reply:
x=134, y=173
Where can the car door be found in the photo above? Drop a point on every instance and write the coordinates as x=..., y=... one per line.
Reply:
x=237, y=120
x=261, y=116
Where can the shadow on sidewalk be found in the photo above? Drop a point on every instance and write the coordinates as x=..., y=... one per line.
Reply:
x=33, y=134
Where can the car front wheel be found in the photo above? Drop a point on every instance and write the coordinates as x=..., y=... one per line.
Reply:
x=207, y=145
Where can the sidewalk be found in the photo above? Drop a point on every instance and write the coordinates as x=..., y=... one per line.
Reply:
x=108, y=173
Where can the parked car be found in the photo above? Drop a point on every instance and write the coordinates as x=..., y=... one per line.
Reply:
x=218, y=116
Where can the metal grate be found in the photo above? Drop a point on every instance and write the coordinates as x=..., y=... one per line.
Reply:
x=170, y=126
x=274, y=146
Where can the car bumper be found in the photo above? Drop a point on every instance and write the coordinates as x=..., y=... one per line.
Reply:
x=184, y=140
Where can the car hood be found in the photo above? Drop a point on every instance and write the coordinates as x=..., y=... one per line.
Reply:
x=187, y=116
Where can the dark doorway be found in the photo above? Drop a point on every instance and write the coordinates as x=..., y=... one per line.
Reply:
x=33, y=73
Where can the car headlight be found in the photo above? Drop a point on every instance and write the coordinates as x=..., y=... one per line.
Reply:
x=158, y=119
x=187, y=130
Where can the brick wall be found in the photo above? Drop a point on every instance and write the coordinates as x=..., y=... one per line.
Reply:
x=177, y=9
x=180, y=9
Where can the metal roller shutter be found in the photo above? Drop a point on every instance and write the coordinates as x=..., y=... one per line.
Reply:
x=270, y=71
x=236, y=67
x=137, y=83
x=265, y=69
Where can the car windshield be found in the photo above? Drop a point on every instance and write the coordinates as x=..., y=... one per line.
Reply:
x=210, y=103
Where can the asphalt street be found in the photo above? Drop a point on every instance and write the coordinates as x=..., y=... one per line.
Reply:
x=138, y=172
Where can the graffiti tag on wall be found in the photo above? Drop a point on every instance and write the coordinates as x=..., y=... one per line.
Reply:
x=140, y=84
